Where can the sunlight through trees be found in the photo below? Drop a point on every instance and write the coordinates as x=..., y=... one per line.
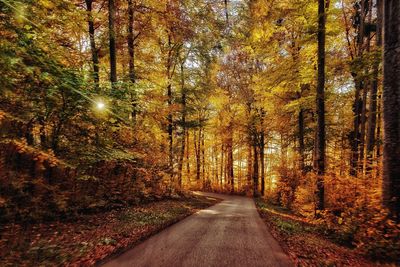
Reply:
x=106, y=103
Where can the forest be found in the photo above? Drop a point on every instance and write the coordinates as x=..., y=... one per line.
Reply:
x=114, y=108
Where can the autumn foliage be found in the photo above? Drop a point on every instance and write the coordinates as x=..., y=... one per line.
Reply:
x=109, y=104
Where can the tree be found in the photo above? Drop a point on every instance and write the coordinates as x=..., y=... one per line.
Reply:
x=131, y=41
x=358, y=74
x=391, y=108
x=262, y=150
x=373, y=105
x=320, y=141
x=93, y=48
x=183, y=120
x=112, y=42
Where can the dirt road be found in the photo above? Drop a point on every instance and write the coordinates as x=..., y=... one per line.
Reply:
x=230, y=233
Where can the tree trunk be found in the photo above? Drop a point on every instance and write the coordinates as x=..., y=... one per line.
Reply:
x=203, y=171
x=262, y=152
x=364, y=101
x=170, y=130
x=28, y=133
x=379, y=138
x=301, y=140
x=255, y=169
x=320, y=147
x=391, y=108
x=215, y=165
x=131, y=41
x=262, y=160
x=239, y=168
x=363, y=128
x=358, y=104
x=95, y=54
x=113, y=49
x=170, y=70
x=229, y=146
x=183, y=136
x=42, y=132
x=249, y=164
x=222, y=165
x=198, y=156
x=371, y=139
x=188, y=154
x=355, y=137
x=131, y=51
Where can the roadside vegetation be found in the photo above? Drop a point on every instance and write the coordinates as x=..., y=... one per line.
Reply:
x=88, y=239
x=311, y=242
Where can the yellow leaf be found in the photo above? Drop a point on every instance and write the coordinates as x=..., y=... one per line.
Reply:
x=47, y=3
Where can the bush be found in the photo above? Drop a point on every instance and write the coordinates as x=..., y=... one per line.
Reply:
x=36, y=186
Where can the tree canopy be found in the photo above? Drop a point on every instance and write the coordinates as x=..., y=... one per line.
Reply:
x=104, y=103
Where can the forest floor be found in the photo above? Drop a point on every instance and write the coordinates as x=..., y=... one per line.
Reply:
x=305, y=242
x=88, y=239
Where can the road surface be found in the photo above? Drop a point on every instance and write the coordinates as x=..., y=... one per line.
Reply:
x=230, y=233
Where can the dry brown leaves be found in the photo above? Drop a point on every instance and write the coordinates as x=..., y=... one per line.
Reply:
x=90, y=238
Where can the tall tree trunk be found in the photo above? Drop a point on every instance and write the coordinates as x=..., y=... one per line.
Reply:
x=262, y=161
x=371, y=139
x=366, y=88
x=112, y=41
x=183, y=121
x=391, y=108
x=93, y=49
x=188, y=154
x=170, y=131
x=197, y=144
x=229, y=146
x=379, y=138
x=131, y=52
x=170, y=70
x=239, y=169
x=249, y=163
x=358, y=104
x=363, y=128
x=301, y=140
x=215, y=165
x=131, y=41
x=262, y=152
x=255, y=168
x=355, y=137
x=203, y=171
x=320, y=147
x=222, y=165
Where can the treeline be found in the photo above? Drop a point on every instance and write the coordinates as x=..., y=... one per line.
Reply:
x=276, y=98
x=113, y=90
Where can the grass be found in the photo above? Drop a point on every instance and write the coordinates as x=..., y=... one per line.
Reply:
x=91, y=238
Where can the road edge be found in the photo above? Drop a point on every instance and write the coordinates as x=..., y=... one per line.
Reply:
x=115, y=254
